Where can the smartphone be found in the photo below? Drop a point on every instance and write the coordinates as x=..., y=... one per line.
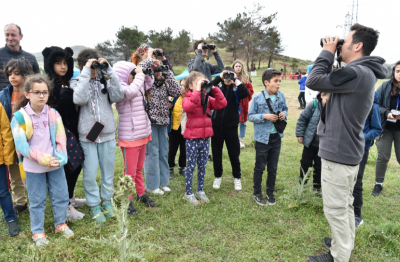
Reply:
x=95, y=131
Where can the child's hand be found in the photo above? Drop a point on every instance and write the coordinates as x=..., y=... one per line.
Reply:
x=282, y=116
x=271, y=117
x=198, y=85
x=102, y=60
x=90, y=62
x=139, y=69
x=390, y=116
x=150, y=52
x=300, y=140
x=200, y=46
x=222, y=74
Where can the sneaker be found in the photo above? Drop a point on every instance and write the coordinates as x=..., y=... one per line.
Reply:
x=182, y=171
x=259, y=199
x=77, y=202
x=13, y=227
x=210, y=158
x=271, y=200
x=40, y=240
x=358, y=220
x=377, y=190
x=328, y=242
x=19, y=209
x=65, y=231
x=156, y=191
x=108, y=209
x=238, y=184
x=241, y=144
x=73, y=213
x=202, y=196
x=131, y=209
x=166, y=189
x=171, y=173
x=192, y=199
x=97, y=214
x=217, y=183
x=327, y=257
x=146, y=200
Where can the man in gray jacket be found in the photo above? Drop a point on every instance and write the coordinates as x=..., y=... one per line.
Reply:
x=340, y=130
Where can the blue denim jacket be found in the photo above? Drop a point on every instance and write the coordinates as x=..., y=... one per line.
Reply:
x=258, y=108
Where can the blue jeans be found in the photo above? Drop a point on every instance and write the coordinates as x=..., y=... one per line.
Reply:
x=96, y=154
x=156, y=168
x=5, y=196
x=242, y=129
x=37, y=185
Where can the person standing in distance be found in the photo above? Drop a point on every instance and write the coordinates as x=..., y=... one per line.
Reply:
x=13, y=49
x=340, y=130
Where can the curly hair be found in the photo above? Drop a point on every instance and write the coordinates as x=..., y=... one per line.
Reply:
x=85, y=55
x=28, y=85
x=20, y=64
x=243, y=76
x=192, y=76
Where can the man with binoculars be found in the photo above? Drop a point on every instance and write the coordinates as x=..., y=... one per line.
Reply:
x=340, y=129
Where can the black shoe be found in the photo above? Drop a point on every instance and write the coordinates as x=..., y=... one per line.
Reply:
x=171, y=173
x=210, y=158
x=327, y=257
x=259, y=199
x=271, y=200
x=377, y=190
x=182, y=171
x=146, y=200
x=13, y=227
x=131, y=209
x=328, y=242
x=19, y=209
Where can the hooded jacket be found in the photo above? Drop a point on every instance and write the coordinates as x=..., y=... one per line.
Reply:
x=63, y=97
x=372, y=127
x=384, y=92
x=352, y=93
x=307, y=124
x=6, y=55
x=302, y=83
x=133, y=123
x=244, y=103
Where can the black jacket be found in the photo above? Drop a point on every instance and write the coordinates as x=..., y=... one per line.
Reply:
x=384, y=92
x=62, y=97
x=6, y=55
x=228, y=117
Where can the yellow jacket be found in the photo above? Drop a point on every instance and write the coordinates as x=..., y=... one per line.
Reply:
x=176, y=114
x=7, y=148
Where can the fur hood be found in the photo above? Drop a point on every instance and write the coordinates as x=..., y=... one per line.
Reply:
x=50, y=54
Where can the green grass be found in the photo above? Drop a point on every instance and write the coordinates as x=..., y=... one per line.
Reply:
x=231, y=227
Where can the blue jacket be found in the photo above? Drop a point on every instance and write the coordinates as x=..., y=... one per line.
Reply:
x=302, y=83
x=258, y=108
x=373, y=128
x=5, y=100
x=307, y=124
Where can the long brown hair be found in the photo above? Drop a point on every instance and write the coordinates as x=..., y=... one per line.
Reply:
x=192, y=76
x=28, y=85
x=395, y=84
x=244, y=77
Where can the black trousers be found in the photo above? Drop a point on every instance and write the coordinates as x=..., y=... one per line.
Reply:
x=71, y=180
x=231, y=138
x=176, y=141
x=309, y=159
x=358, y=187
x=302, y=99
x=267, y=155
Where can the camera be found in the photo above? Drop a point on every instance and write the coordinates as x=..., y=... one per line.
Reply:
x=340, y=42
x=158, y=53
x=207, y=87
x=228, y=76
x=206, y=46
x=97, y=65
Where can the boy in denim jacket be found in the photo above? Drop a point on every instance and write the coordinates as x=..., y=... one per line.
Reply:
x=268, y=139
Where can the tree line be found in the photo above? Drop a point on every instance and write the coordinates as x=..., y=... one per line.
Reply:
x=250, y=36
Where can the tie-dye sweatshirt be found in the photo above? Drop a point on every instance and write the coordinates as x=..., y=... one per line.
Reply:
x=22, y=129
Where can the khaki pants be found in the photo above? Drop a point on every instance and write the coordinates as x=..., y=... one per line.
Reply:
x=18, y=185
x=338, y=182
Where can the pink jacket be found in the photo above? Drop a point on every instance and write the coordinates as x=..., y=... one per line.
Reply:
x=133, y=123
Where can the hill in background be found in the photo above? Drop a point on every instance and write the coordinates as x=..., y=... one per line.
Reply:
x=75, y=48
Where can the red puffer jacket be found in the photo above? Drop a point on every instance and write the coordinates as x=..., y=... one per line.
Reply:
x=198, y=124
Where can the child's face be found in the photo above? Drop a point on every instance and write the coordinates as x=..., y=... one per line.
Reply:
x=15, y=78
x=273, y=85
x=38, y=95
x=61, y=68
x=183, y=82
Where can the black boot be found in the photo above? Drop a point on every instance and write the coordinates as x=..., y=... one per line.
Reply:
x=131, y=209
x=171, y=173
x=182, y=171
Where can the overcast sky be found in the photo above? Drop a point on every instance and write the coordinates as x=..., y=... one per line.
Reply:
x=301, y=23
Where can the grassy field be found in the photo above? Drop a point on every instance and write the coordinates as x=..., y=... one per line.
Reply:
x=232, y=227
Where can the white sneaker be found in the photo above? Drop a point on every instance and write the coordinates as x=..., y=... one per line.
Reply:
x=166, y=189
x=217, y=183
x=238, y=184
x=77, y=202
x=156, y=191
x=73, y=213
x=241, y=144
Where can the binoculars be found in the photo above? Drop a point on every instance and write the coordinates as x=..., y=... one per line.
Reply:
x=97, y=65
x=340, y=42
x=206, y=46
x=207, y=87
x=158, y=53
x=228, y=76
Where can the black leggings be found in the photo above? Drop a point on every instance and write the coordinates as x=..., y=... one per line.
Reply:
x=176, y=141
x=71, y=180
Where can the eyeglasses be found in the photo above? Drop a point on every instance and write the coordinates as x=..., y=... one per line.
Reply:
x=38, y=93
x=182, y=85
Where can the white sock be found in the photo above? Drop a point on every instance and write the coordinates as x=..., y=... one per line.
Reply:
x=379, y=183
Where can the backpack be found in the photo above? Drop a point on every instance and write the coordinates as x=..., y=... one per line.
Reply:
x=312, y=112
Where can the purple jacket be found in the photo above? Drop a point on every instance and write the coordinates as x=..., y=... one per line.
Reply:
x=134, y=123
